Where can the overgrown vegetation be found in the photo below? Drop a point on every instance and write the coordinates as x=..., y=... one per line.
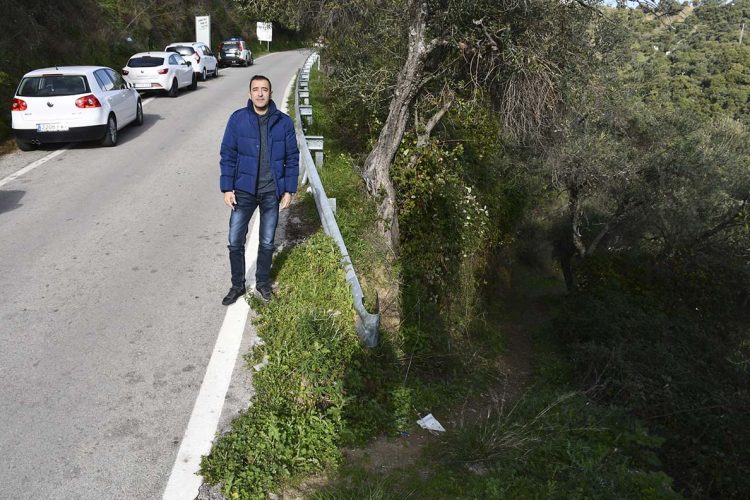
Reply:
x=553, y=443
x=667, y=344
x=633, y=187
x=312, y=393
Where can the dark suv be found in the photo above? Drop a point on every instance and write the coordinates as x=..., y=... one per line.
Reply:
x=235, y=51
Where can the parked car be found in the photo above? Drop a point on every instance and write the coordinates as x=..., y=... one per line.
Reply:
x=73, y=103
x=235, y=51
x=199, y=55
x=162, y=71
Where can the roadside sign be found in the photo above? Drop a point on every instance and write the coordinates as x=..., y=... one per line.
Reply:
x=203, y=29
x=265, y=32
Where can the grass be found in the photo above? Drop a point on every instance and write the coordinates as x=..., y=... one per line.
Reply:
x=294, y=423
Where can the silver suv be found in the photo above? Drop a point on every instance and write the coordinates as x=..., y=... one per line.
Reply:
x=235, y=51
x=199, y=55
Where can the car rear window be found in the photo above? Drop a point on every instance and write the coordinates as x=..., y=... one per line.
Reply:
x=230, y=45
x=53, y=85
x=182, y=50
x=146, y=62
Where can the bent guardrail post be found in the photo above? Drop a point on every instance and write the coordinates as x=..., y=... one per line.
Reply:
x=367, y=323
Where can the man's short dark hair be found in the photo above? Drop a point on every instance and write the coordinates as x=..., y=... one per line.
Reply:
x=259, y=77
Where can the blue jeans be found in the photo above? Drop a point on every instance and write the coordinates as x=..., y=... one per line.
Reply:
x=238, y=226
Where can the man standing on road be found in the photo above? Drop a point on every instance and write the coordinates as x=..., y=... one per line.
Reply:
x=259, y=168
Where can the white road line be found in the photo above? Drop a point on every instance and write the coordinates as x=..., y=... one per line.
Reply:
x=184, y=480
x=28, y=168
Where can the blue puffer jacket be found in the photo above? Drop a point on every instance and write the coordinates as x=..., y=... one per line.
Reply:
x=240, y=149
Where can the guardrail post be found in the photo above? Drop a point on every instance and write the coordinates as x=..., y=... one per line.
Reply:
x=315, y=145
x=305, y=96
x=305, y=111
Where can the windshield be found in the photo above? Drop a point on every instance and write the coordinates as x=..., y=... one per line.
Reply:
x=146, y=62
x=53, y=85
x=182, y=50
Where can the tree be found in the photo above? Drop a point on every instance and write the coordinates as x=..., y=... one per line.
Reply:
x=510, y=52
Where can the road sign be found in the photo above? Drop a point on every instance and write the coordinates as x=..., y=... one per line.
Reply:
x=203, y=29
x=265, y=32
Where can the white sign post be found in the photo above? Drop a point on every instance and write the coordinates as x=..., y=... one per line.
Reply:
x=265, y=33
x=203, y=29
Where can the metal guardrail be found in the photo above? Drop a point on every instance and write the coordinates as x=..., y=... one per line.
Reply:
x=367, y=324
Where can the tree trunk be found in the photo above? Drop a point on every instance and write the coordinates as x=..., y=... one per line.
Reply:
x=574, y=205
x=377, y=167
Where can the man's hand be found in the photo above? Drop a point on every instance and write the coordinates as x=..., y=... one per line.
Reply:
x=229, y=199
x=285, y=200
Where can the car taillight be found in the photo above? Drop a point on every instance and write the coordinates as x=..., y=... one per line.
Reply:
x=88, y=101
x=164, y=71
x=197, y=58
x=124, y=71
x=18, y=105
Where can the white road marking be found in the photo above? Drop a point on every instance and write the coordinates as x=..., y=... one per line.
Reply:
x=41, y=161
x=184, y=481
x=31, y=166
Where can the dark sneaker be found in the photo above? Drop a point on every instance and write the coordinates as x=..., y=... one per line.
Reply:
x=264, y=292
x=234, y=294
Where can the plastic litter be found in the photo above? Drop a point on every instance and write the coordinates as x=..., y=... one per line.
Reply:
x=430, y=423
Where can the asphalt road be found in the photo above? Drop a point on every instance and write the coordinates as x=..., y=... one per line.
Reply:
x=113, y=263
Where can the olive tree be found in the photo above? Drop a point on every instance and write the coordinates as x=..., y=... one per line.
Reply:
x=418, y=53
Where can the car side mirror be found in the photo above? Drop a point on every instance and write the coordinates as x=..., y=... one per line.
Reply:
x=188, y=63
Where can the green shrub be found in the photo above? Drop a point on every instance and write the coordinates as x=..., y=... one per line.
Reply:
x=657, y=342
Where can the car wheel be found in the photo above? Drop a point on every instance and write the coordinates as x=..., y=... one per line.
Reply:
x=216, y=71
x=138, y=114
x=174, y=88
x=110, y=136
x=194, y=84
x=25, y=145
x=252, y=61
x=204, y=75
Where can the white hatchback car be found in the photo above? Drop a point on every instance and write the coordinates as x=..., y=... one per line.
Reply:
x=200, y=55
x=73, y=103
x=165, y=71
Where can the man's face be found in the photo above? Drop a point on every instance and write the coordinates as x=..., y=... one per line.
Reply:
x=260, y=94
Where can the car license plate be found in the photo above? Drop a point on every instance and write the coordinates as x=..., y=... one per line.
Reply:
x=51, y=127
x=142, y=85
